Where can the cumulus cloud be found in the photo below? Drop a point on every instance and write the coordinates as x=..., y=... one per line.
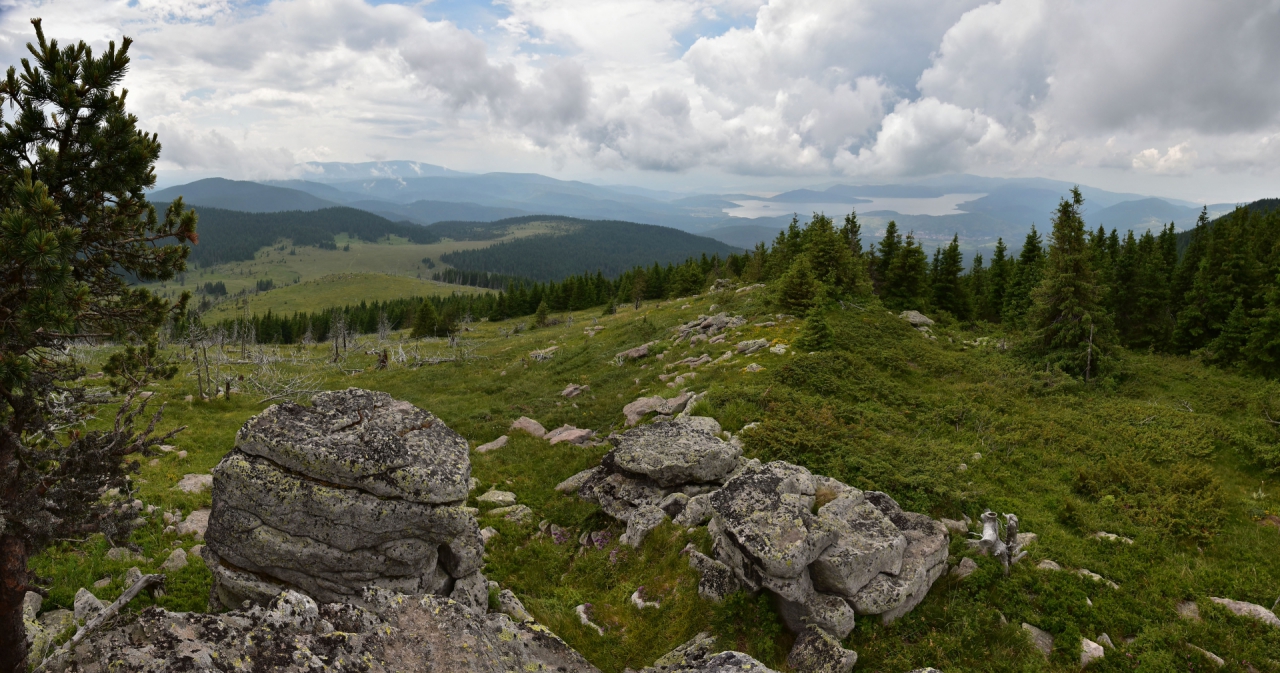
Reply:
x=751, y=87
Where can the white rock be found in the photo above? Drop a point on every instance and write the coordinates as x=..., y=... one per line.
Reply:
x=965, y=568
x=1090, y=652
x=1042, y=640
x=1217, y=660
x=1251, y=610
x=495, y=444
x=87, y=606
x=500, y=498
x=195, y=524
x=585, y=618
x=195, y=483
x=1048, y=565
x=529, y=425
x=31, y=604
x=177, y=561
x=488, y=533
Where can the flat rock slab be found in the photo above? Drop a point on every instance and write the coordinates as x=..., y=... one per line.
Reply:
x=526, y=424
x=196, y=523
x=1251, y=610
x=363, y=439
x=491, y=446
x=194, y=483
x=295, y=634
x=673, y=453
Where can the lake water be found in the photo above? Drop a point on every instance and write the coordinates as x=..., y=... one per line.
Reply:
x=941, y=205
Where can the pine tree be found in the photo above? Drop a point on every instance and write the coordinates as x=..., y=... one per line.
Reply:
x=976, y=285
x=1149, y=321
x=1227, y=273
x=798, y=288
x=999, y=275
x=1262, y=351
x=907, y=282
x=885, y=256
x=815, y=334
x=949, y=291
x=75, y=229
x=1067, y=322
x=829, y=255
x=1025, y=278
x=1185, y=274
x=540, y=316
x=851, y=234
x=425, y=321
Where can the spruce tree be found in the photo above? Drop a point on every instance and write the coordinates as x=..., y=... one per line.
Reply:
x=75, y=231
x=798, y=287
x=425, y=321
x=950, y=293
x=1025, y=278
x=541, y=315
x=1149, y=321
x=976, y=285
x=851, y=234
x=1067, y=322
x=815, y=334
x=1262, y=351
x=885, y=256
x=829, y=255
x=999, y=275
x=1226, y=273
x=1185, y=274
x=907, y=283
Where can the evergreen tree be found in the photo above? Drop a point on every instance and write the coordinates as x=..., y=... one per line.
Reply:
x=1148, y=322
x=828, y=254
x=425, y=321
x=1262, y=351
x=950, y=293
x=1185, y=274
x=885, y=256
x=999, y=275
x=851, y=234
x=1067, y=323
x=75, y=229
x=540, y=316
x=1025, y=278
x=815, y=334
x=907, y=283
x=976, y=285
x=1225, y=275
x=798, y=287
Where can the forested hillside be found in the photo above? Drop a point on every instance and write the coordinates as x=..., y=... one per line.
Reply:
x=606, y=246
x=230, y=236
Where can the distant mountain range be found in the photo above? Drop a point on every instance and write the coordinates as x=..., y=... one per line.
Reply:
x=979, y=209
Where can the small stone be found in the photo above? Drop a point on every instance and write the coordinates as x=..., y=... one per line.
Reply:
x=584, y=616
x=1217, y=660
x=752, y=368
x=1188, y=610
x=194, y=483
x=574, y=390
x=572, y=484
x=644, y=519
x=965, y=568
x=1084, y=572
x=119, y=554
x=1048, y=565
x=132, y=575
x=500, y=498
x=182, y=455
x=488, y=533
x=31, y=604
x=1110, y=537
x=1090, y=652
x=87, y=606
x=102, y=583
x=975, y=457
x=915, y=318
x=1251, y=610
x=154, y=462
x=495, y=444
x=177, y=561
x=955, y=525
x=168, y=448
x=516, y=513
x=509, y=604
x=1040, y=639
x=526, y=424
x=962, y=468
x=1105, y=641
x=196, y=524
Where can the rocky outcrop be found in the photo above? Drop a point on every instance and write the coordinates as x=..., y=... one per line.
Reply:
x=389, y=632
x=859, y=553
x=356, y=490
x=708, y=326
x=698, y=656
x=645, y=405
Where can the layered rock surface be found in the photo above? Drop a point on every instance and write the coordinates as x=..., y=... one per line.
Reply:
x=391, y=632
x=356, y=490
x=857, y=554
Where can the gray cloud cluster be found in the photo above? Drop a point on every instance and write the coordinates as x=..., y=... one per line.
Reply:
x=777, y=87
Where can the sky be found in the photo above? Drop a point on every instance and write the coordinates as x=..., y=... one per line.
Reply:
x=1177, y=98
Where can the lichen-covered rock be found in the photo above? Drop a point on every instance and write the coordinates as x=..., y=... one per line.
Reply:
x=643, y=520
x=526, y=424
x=394, y=633
x=765, y=511
x=363, y=439
x=335, y=508
x=696, y=656
x=717, y=579
x=867, y=544
x=643, y=406
x=672, y=453
x=816, y=651
x=87, y=606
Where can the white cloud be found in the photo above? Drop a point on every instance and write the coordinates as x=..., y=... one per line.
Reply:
x=749, y=87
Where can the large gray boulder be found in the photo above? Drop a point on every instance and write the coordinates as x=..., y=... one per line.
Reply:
x=699, y=656
x=765, y=511
x=392, y=632
x=359, y=490
x=673, y=453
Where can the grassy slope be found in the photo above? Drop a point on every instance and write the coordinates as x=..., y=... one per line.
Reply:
x=334, y=290
x=288, y=265
x=884, y=409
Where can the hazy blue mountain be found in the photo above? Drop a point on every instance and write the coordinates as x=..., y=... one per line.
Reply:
x=746, y=235
x=241, y=195
x=1141, y=215
x=430, y=212
x=837, y=194
x=327, y=192
x=335, y=171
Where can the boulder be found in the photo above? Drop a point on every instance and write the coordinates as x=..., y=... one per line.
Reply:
x=891, y=596
x=87, y=606
x=816, y=651
x=673, y=453
x=574, y=390
x=516, y=513
x=177, y=561
x=642, y=520
x=717, y=580
x=765, y=512
x=1251, y=610
x=571, y=435
x=695, y=656
x=915, y=318
x=572, y=484
x=868, y=544
x=31, y=602
x=295, y=634
x=492, y=446
x=749, y=347
x=965, y=568
x=1041, y=640
x=526, y=424
x=646, y=405
x=359, y=490
x=1090, y=652
x=633, y=353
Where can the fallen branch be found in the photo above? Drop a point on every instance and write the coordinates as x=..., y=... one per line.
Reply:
x=102, y=617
